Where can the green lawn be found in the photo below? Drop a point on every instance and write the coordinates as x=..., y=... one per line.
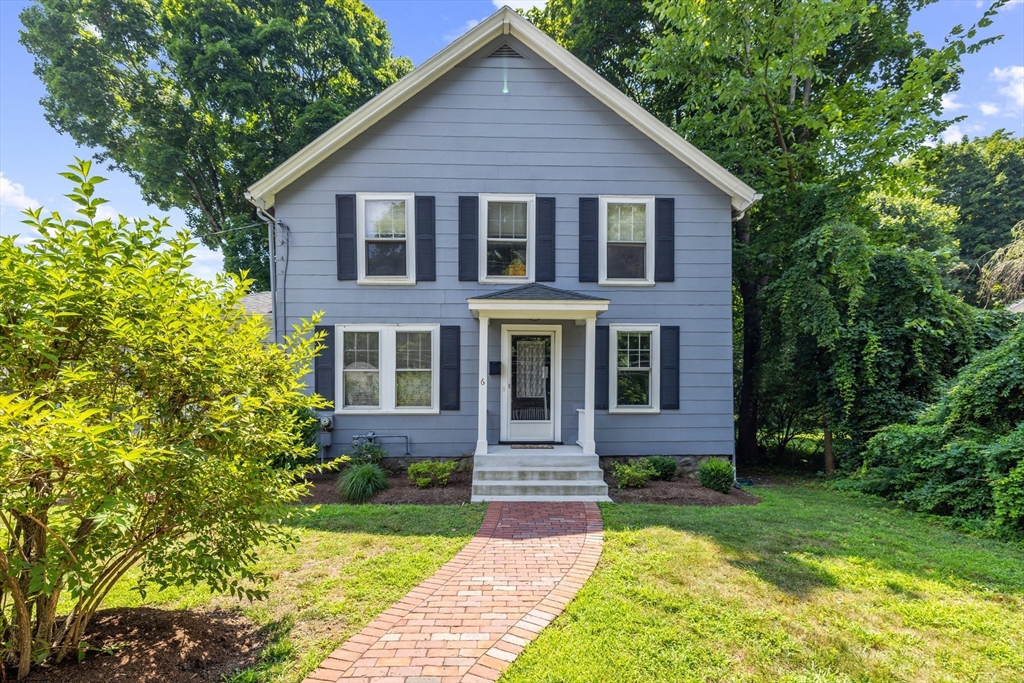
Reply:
x=811, y=585
x=351, y=563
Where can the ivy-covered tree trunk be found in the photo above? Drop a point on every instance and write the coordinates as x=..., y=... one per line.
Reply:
x=747, y=451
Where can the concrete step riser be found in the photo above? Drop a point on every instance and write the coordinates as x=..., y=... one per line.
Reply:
x=550, y=490
x=582, y=462
x=538, y=475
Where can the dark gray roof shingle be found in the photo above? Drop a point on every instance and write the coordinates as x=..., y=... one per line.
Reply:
x=536, y=292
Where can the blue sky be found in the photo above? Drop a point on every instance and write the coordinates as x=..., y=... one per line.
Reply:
x=31, y=153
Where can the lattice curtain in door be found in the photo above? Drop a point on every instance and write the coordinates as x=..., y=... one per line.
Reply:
x=531, y=377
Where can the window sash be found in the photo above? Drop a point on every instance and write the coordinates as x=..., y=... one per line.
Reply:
x=507, y=238
x=622, y=236
x=635, y=359
x=403, y=368
x=387, y=244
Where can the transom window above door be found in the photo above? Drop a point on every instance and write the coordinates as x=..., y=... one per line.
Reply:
x=386, y=238
x=626, y=229
x=507, y=237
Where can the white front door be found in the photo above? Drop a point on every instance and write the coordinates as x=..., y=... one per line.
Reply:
x=531, y=359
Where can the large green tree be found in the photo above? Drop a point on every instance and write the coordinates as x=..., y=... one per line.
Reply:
x=801, y=99
x=197, y=99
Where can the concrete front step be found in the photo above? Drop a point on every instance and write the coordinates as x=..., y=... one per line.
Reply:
x=531, y=474
x=540, y=490
x=509, y=461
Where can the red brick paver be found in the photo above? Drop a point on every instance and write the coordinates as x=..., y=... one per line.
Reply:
x=467, y=622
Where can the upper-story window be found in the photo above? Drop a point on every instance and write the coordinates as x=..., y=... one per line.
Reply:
x=507, y=237
x=386, y=238
x=626, y=251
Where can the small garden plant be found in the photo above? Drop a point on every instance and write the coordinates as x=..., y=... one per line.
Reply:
x=360, y=481
x=664, y=467
x=716, y=474
x=368, y=452
x=431, y=472
x=634, y=475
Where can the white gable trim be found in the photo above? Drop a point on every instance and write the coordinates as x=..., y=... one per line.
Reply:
x=505, y=21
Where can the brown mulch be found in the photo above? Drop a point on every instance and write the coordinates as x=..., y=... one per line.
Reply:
x=145, y=645
x=678, y=492
x=400, y=491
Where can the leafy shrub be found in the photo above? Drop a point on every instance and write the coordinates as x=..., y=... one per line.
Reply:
x=307, y=431
x=664, y=467
x=634, y=475
x=139, y=411
x=431, y=472
x=360, y=481
x=716, y=474
x=368, y=452
x=963, y=458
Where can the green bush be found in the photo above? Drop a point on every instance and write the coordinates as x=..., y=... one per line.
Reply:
x=360, y=481
x=634, y=475
x=431, y=472
x=716, y=474
x=664, y=467
x=963, y=458
x=307, y=432
x=140, y=410
x=368, y=452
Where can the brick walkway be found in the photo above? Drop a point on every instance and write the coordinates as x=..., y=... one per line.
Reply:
x=467, y=622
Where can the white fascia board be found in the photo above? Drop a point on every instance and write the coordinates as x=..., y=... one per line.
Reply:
x=503, y=22
x=573, y=309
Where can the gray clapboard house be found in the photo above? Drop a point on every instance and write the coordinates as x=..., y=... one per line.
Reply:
x=515, y=261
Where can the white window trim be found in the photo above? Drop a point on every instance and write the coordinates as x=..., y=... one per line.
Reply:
x=602, y=232
x=387, y=370
x=531, y=238
x=410, y=238
x=613, y=369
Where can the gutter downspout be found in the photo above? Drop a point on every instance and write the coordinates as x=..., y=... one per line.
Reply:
x=272, y=255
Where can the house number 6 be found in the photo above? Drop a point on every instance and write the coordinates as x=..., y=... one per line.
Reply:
x=483, y=382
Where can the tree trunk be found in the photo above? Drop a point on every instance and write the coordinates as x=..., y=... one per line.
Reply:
x=747, y=452
x=830, y=461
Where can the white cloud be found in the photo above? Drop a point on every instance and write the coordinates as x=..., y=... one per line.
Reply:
x=989, y=109
x=952, y=134
x=449, y=37
x=1013, y=76
x=519, y=4
x=12, y=195
x=949, y=102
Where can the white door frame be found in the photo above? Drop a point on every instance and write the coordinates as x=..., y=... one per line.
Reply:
x=556, y=376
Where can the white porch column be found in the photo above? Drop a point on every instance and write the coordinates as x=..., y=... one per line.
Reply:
x=481, y=417
x=587, y=428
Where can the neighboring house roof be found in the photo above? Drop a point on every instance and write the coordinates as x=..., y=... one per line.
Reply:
x=260, y=303
x=1017, y=307
x=536, y=292
x=503, y=22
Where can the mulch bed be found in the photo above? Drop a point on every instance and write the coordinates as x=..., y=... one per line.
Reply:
x=678, y=492
x=145, y=645
x=402, y=491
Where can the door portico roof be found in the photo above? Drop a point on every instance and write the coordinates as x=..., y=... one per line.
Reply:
x=537, y=302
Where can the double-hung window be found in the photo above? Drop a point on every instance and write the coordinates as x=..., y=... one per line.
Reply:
x=386, y=228
x=389, y=368
x=507, y=237
x=634, y=362
x=626, y=232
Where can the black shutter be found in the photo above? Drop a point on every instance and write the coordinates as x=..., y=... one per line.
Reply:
x=545, y=267
x=345, y=217
x=451, y=345
x=588, y=239
x=468, y=225
x=426, y=261
x=601, y=368
x=670, y=367
x=664, y=239
x=323, y=365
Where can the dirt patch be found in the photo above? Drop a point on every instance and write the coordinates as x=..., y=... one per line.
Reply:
x=400, y=491
x=145, y=645
x=678, y=492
